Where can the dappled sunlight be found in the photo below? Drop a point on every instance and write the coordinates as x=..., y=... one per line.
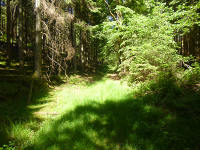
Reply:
x=17, y=118
x=68, y=97
x=105, y=116
x=99, y=75
x=104, y=126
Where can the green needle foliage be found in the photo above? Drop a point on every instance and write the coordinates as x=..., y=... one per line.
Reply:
x=141, y=46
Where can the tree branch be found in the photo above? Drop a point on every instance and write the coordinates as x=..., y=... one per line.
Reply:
x=111, y=11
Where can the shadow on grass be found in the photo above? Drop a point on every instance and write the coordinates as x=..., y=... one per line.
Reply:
x=90, y=77
x=86, y=79
x=128, y=124
x=14, y=104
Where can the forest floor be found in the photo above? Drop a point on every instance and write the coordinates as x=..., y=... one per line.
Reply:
x=95, y=112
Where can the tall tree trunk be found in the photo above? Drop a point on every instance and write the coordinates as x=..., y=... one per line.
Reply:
x=13, y=14
x=0, y=16
x=183, y=45
x=188, y=44
x=81, y=50
x=26, y=27
x=37, y=52
x=73, y=38
x=20, y=26
x=89, y=50
x=8, y=31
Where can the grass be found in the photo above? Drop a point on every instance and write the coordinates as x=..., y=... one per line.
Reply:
x=17, y=117
x=97, y=113
x=17, y=120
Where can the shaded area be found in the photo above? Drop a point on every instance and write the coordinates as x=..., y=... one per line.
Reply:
x=15, y=110
x=88, y=78
x=15, y=83
x=19, y=118
x=128, y=124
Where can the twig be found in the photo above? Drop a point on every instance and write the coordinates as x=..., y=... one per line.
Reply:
x=111, y=11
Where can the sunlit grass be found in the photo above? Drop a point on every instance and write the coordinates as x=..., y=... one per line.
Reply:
x=50, y=107
x=102, y=115
x=68, y=98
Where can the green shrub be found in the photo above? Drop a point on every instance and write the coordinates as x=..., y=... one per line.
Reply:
x=162, y=90
x=141, y=45
x=9, y=146
x=192, y=76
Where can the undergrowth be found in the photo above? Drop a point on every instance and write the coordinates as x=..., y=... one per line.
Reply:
x=94, y=112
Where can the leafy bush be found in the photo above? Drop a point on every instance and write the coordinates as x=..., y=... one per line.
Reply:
x=192, y=76
x=10, y=146
x=142, y=46
x=162, y=89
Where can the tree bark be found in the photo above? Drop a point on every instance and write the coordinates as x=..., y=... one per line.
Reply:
x=0, y=15
x=73, y=38
x=81, y=50
x=37, y=52
x=26, y=27
x=8, y=31
x=20, y=30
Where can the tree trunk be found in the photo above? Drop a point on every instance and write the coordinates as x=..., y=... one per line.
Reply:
x=8, y=31
x=20, y=26
x=81, y=50
x=37, y=52
x=73, y=34
x=26, y=29
x=183, y=45
x=0, y=16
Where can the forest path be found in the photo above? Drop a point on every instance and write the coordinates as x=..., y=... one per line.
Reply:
x=68, y=96
x=22, y=122
x=79, y=101
x=99, y=113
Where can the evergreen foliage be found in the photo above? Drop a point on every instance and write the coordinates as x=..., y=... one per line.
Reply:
x=141, y=46
x=73, y=94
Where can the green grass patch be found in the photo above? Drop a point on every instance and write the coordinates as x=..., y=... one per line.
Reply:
x=104, y=114
x=17, y=119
